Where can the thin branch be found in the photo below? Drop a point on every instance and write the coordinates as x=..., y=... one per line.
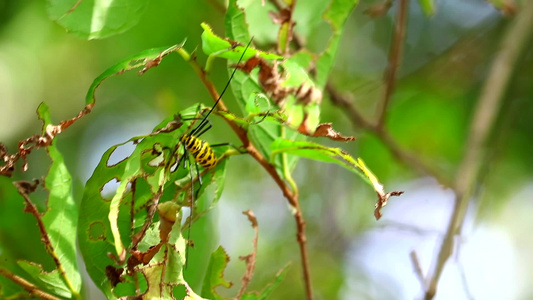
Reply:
x=418, y=270
x=397, y=151
x=252, y=151
x=28, y=286
x=485, y=113
x=395, y=57
x=250, y=258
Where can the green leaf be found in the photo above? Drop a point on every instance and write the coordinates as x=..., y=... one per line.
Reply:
x=166, y=268
x=61, y=216
x=326, y=154
x=214, y=275
x=105, y=227
x=428, y=6
x=147, y=59
x=214, y=45
x=245, y=88
x=95, y=19
x=51, y=280
x=336, y=14
x=265, y=293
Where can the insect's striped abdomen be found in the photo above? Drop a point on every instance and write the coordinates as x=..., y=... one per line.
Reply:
x=200, y=150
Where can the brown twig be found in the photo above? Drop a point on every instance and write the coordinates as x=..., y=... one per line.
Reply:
x=485, y=113
x=396, y=150
x=252, y=151
x=28, y=286
x=395, y=57
x=418, y=270
x=250, y=258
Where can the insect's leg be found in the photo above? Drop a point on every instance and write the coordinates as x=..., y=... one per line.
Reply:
x=190, y=217
x=185, y=154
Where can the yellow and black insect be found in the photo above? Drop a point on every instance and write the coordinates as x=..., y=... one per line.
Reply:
x=199, y=149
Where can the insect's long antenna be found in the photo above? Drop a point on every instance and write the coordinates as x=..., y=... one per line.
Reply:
x=227, y=85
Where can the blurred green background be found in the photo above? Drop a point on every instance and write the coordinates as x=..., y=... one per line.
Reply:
x=446, y=59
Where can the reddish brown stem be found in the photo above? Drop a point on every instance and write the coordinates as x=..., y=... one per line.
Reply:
x=252, y=151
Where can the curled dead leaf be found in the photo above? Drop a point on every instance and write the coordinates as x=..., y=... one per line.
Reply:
x=326, y=130
x=382, y=201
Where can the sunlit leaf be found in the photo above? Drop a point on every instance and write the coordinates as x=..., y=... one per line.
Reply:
x=52, y=280
x=96, y=19
x=338, y=156
x=61, y=217
x=219, y=47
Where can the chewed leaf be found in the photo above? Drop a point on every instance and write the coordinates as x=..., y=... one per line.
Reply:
x=52, y=280
x=146, y=59
x=215, y=274
x=61, y=217
x=336, y=15
x=91, y=19
x=338, y=156
x=219, y=47
x=265, y=293
x=118, y=225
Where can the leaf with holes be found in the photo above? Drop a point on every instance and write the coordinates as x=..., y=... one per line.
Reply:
x=114, y=224
x=214, y=276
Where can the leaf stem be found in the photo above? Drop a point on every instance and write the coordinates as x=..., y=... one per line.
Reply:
x=395, y=57
x=32, y=289
x=289, y=194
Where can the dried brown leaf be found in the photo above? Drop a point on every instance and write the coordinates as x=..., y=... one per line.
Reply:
x=382, y=201
x=326, y=130
x=249, y=259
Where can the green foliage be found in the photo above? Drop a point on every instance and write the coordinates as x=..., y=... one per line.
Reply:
x=57, y=225
x=129, y=230
x=428, y=6
x=92, y=19
x=215, y=274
